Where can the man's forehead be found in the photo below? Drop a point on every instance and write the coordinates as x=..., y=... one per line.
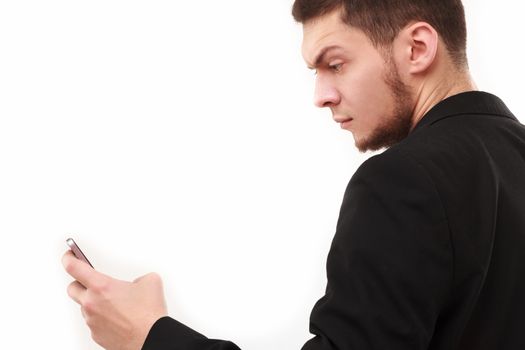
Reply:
x=317, y=29
x=327, y=32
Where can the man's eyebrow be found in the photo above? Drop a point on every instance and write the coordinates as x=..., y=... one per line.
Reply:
x=321, y=55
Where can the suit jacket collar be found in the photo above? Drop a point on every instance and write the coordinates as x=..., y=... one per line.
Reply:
x=470, y=102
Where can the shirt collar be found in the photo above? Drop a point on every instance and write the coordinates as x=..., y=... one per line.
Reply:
x=470, y=102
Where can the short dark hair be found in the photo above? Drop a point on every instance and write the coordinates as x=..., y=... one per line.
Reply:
x=381, y=20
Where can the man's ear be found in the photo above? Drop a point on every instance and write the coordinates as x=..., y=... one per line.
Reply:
x=419, y=44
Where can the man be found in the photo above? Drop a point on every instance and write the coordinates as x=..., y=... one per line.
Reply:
x=428, y=252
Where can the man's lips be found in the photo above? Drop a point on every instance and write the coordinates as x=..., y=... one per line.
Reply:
x=343, y=121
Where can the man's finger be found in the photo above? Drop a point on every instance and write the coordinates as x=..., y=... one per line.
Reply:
x=76, y=291
x=80, y=271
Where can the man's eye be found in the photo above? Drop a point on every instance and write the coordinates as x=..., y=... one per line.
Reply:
x=336, y=67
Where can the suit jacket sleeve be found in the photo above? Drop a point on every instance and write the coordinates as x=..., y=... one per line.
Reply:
x=170, y=334
x=390, y=265
x=389, y=268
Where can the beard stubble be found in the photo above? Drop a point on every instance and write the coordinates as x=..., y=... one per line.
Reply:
x=396, y=126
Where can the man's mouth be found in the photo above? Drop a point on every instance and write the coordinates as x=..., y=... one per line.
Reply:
x=343, y=121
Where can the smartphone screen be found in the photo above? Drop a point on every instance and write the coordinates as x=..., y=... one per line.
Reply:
x=76, y=251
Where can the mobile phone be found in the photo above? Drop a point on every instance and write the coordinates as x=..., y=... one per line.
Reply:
x=76, y=251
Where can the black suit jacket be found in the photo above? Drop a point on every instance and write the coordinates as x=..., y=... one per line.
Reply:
x=429, y=251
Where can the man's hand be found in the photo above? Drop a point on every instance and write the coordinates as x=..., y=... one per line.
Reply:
x=119, y=314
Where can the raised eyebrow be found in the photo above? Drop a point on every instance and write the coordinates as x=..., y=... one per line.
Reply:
x=320, y=56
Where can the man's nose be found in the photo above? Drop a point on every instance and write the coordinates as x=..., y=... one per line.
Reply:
x=325, y=95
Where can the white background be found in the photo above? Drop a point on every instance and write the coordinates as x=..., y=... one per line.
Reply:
x=180, y=137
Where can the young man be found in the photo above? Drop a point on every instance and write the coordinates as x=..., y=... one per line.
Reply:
x=428, y=252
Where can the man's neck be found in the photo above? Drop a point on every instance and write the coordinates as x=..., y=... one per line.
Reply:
x=431, y=93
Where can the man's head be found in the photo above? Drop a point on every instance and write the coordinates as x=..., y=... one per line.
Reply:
x=376, y=61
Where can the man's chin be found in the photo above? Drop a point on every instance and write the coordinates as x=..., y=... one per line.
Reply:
x=362, y=144
x=364, y=147
x=392, y=131
x=372, y=144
